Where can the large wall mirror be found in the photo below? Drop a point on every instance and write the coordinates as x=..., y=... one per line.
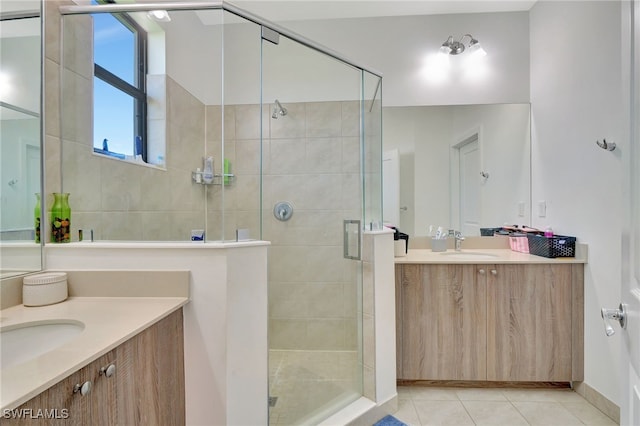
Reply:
x=462, y=167
x=20, y=135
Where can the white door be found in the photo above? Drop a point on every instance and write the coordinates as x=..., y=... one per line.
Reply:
x=470, y=188
x=630, y=291
x=391, y=187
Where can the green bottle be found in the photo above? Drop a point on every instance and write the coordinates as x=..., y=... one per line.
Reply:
x=36, y=218
x=60, y=218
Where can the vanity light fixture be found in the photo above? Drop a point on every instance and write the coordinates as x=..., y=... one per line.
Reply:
x=159, y=15
x=453, y=47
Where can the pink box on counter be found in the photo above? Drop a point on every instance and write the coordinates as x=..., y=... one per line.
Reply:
x=519, y=243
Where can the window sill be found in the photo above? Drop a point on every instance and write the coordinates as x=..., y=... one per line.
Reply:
x=129, y=159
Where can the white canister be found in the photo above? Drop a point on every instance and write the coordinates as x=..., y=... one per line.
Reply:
x=399, y=248
x=44, y=289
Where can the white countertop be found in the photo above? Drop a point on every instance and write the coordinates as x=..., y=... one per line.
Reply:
x=108, y=321
x=484, y=256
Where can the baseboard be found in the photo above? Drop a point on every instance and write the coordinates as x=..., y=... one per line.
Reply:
x=482, y=384
x=598, y=400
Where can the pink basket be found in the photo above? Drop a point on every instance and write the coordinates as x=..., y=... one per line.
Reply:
x=519, y=243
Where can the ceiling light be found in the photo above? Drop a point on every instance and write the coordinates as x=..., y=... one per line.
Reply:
x=453, y=47
x=159, y=15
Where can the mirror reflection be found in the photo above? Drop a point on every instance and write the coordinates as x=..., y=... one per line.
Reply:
x=20, y=76
x=462, y=167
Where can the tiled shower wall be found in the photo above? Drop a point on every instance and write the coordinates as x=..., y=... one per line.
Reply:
x=115, y=199
x=312, y=160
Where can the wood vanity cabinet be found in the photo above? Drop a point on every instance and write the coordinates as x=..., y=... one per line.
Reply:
x=147, y=387
x=506, y=322
x=441, y=332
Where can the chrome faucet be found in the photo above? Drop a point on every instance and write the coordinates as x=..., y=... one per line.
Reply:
x=458, y=239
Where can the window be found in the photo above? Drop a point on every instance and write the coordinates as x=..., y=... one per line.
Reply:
x=119, y=98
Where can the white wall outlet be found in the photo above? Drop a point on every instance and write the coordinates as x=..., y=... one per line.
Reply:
x=542, y=208
x=521, y=209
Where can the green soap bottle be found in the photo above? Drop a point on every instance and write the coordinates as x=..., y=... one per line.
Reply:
x=36, y=218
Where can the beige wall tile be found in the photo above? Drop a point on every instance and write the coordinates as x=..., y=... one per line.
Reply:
x=324, y=119
x=291, y=125
x=323, y=155
x=52, y=98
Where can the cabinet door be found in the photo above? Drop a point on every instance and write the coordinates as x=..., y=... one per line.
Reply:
x=443, y=322
x=529, y=323
x=60, y=405
x=150, y=384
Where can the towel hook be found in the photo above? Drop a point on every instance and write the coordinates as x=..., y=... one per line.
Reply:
x=484, y=175
x=609, y=146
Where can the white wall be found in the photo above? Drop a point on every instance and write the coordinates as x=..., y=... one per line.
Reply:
x=399, y=46
x=395, y=46
x=576, y=83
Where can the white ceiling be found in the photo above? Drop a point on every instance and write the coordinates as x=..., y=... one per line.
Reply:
x=297, y=10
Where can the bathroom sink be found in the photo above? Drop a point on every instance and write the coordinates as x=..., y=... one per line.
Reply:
x=471, y=255
x=21, y=342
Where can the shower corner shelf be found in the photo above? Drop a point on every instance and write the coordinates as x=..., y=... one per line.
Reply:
x=218, y=179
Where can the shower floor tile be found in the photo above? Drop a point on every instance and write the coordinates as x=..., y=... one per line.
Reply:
x=310, y=385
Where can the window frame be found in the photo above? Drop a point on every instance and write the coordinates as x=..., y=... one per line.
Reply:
x=137, y=91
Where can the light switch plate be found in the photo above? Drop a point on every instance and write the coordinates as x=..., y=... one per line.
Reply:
x=542, y=208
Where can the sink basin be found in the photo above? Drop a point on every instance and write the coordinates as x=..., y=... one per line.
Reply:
x=21, y=342
x=468, y=254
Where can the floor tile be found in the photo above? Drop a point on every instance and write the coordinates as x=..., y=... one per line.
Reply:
x=542, y=395
x=407, y=413
x=404, y=392
x=442, y=413
x=546, y=413
x=495, y=413
x=433, y=394
x=588, y=414
x=475, y=394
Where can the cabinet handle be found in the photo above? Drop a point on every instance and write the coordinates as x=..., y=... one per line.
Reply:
x=108, y=371
x=481, y=271
x=494, y=272
x=84, y=388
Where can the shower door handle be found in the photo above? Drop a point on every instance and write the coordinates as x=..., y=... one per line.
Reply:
x=352, y=239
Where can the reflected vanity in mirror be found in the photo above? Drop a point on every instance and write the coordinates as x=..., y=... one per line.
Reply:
x=462, y=167
x=20, y=136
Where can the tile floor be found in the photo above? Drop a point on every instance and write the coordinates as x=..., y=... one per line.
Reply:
x=499, y=407
x=310, y=385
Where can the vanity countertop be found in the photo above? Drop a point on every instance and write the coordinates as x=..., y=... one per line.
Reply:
x=486, y=256
x=108, y=322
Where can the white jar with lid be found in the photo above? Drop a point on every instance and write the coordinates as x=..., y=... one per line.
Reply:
x=44, y=289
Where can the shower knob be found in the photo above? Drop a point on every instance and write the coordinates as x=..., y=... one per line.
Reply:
x=283, y=211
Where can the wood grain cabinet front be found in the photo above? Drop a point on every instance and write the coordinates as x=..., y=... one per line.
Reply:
x=140, y=382
x=489, y=322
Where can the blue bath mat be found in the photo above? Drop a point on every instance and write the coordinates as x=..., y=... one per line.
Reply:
x=390, y=421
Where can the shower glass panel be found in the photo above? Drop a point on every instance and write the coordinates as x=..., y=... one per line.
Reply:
x=312, y=160
x=233, y=208
x=372, y=132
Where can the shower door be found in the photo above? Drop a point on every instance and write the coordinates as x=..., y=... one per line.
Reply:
x=312, y=210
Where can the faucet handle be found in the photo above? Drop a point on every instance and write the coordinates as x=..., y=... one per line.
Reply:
x=458, y=235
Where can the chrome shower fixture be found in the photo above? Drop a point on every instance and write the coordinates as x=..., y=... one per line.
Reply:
x=453, y=47
x=278, y=111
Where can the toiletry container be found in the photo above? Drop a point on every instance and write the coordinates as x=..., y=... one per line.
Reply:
x=44, y=289
x=400, y=243
x=207, y=173
x=439, y=244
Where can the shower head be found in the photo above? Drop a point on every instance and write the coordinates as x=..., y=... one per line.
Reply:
x=279, y=110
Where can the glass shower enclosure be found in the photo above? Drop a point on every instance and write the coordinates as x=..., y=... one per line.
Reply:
x=293, y=131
